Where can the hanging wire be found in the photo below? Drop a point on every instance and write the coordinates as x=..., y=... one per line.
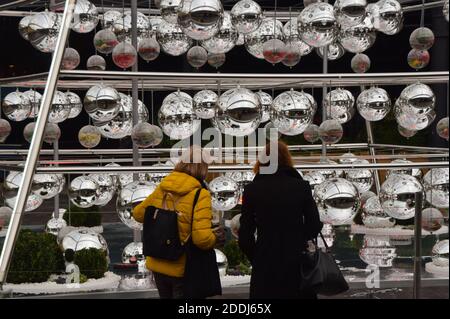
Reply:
x=152, y=105
x=422, y=14
x=102, y=22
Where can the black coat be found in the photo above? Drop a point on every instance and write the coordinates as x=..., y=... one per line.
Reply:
x=280, y=207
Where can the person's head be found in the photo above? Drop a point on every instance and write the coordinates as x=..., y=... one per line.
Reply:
x=282, y=157
x=194, y=161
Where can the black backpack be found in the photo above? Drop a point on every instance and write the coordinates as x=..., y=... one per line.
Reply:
x=161, y=237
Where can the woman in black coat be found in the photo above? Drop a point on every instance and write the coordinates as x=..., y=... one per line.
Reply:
x=281, y=209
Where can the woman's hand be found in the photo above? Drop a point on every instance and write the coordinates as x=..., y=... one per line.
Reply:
x=220, y=234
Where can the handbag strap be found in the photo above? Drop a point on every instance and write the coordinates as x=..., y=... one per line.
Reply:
x=324, y=241
x=196, y=197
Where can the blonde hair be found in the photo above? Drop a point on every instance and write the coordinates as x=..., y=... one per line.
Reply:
x=193, y=162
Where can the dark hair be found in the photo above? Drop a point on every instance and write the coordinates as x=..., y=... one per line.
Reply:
x=284, y=156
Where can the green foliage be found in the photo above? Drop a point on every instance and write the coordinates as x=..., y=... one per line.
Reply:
x=235, y=255
x=92, y=262
x=36, y=256
x=88, y=217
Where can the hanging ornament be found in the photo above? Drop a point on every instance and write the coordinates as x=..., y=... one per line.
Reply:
x=246, y=16
x=35, y=101
x=349, y=12
x=360, y=63
x=197, y=56
x=268, y=30
x=442, y=128
x=71, y=59
x=373, y=104
x=216, y=60
x=330, y=131
x=149, y=49
x=16, y=106
x=274, y=51
x=105, y=41
x=52, y=132
x=172, y=39
x=418, y=59
x=75, y=104
x=123, y=27
x=225, y=39
x=204, y=103
x=24, y=28
x=5, y=130
x=358, y=38
x=293, y=54
x=340, y=105
x=311, y=133
x=317, y=24
x=292, y=36
x=102, y=103
x=43, y=31
x=110, y=17
x=96, y=63
x=387, y=16
x=85, y=17
x=335, y=51
x=124, y=55
x=421, y=39
x=169, y=10
x=89, y=136
x=266, y=105
x=145, y=135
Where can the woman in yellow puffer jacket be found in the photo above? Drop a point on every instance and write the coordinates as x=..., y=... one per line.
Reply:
x=183, y=184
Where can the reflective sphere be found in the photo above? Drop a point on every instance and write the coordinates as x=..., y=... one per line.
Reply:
x=45, y=185
x=246, y=16
x=54, y=225
x=169, y=10
x=75, y=104
x=197, y=56
x=293, y=54
x=242, y=178
x=374, y=216
x=360, y=63
x=373, y=104
x=225, y=39
x=358, y=38
x=268, y=30
x=314, y=179
x=329, y=173
x=311, y=133
x=266, y=105
x=24, y=28
x=5, y=130
x=224, y=193
x=271, y=132
x=432, y=219
x=222, y=262
x=330, y=131
x=204, y=103
x=84, y=191
x=60, y=109
x=417, y=173
x=348, y=158
x=312, y=100
x=292, y=112
x=52, y=132
x=216, y=60
x=35, y=100
x=155, y=21
x=85, y=17
x=442, y=128
x=440, y=253
x=445, y=10
x=16, y=106
x=105, y=40
x=110, y=17
x=11, y=188
x=145, y=135
x=122, y=124
x=96, y=63
x=317, y=24
x=123, y=26
x=397, y=195
x=71, y=59
x=388, y=16
x=418, y=59
x=149, y=49
x=421, y=39
x=106, y=188
x=377, y=251
x=132, y=251
x=124, y=55
x=337, y=200
x=436, y=184
x=102, y=103
x=339, y=104
x=238, y=112
x=200, y=19
x=349, y=12
x=365, y=196
x=361, y=178
x=89, y=136
x=405, y=132
x=235, y=224
x=335, y=51
x=176, y=116
x=274, y=51
x=43, y=31
x=129, y=197
x=172, y=39
x=79, y=239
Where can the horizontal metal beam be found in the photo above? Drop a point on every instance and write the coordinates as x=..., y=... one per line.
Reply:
x=15, y=4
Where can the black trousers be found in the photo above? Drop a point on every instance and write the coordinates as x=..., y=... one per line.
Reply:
x=169, y=287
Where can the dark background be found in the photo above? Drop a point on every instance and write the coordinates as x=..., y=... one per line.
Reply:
x=388, y=54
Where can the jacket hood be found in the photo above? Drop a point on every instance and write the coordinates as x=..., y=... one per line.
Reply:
x=179, y=183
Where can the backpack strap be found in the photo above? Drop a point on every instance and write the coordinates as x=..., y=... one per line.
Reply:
x=196, y=197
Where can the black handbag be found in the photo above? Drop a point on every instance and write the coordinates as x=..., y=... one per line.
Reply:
x=160, y=237
x=201, y=274
x=320, y=273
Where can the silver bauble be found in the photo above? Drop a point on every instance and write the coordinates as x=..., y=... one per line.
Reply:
x=317, y=24
x=373, y=104
x=374, y=216
x=224, y=193
x=84, y=192
x=246, y=16
x=16, y=106
x=436, y=184
x=204, y=103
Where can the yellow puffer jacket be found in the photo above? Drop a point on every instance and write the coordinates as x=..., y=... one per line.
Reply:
x=184, y=187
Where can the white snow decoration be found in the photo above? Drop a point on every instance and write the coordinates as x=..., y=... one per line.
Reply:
x=396, y=230
x=436, y=270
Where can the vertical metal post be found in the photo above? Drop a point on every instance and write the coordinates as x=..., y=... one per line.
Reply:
x=324, y=93
x=418, y=245
x=56, y=159
x=135, y=97
x=36, y=142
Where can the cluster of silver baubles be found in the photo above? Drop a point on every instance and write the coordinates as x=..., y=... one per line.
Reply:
x=349, y=25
